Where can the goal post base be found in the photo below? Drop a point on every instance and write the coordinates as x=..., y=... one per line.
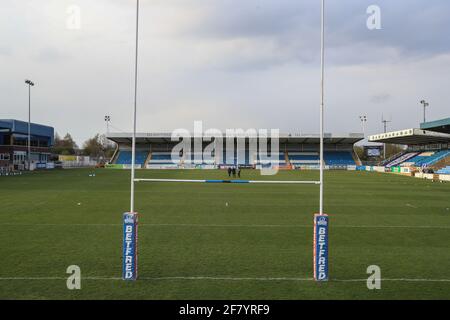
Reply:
x=321, y=223
x=130, y=255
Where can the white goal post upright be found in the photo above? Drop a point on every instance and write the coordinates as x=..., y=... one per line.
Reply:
x=322, y=98
x=320, y=238
x=133, y=146
x=130, y=219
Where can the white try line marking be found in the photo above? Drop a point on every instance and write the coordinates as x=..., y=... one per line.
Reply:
x=210, y=278
x=195, y=225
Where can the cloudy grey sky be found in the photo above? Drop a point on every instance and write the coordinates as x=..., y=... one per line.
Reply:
x=232, y=64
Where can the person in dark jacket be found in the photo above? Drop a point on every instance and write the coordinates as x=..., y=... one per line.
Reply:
x=229, y=171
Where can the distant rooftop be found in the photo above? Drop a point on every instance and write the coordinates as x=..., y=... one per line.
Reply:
x=21, y=127
x=442, y=125
x=297, y=138
x=411, y=137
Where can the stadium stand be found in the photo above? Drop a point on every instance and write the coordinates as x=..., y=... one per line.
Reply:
x=445, y=170
x=296, y=151
x=392, y=158
x=277, y=160
x=161, y=158
x=402, y=158
x=303, y=158
x=427, y=158
x=125, y=157
x=339, y=158
x=427, y=147
x=197, y=158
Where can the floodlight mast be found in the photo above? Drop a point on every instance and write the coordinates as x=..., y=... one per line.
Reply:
x=425, y=105
x=322, y=81
x=107, y=120
x=30, y=84
x=133, y=143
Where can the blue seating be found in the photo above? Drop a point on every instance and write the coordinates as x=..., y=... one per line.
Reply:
x=125, y=157
x=445, y=170
x=427, y=160
x=163, y=158
x=339, y=158
x=307, y=157
x=404, y=157
x=332, y=158
x=266, y=158
x=304, y=159
x=159, y=156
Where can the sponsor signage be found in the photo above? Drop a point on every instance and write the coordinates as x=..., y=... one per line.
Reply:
x=321, y=247
x=130, y=230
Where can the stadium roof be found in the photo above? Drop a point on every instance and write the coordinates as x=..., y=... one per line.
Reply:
x=442, y=125
x=21, y=127
x=411, y=137
x=349, y=138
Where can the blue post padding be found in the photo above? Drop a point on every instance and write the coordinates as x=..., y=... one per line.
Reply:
x=321, y=247
x=227, y=181
x=130, y=228
x=240, y=181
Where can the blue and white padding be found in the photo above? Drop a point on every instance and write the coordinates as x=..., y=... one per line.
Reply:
x=321, y=223
x=130, y=239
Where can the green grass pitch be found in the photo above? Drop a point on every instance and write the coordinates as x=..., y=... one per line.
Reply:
x=192, y=245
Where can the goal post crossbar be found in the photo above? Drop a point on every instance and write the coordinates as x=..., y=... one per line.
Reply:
x=229, y=181
x=130, y=219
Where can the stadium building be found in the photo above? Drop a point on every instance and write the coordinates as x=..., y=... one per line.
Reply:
x=427, y=147
x=14, y=144
x=301, y=151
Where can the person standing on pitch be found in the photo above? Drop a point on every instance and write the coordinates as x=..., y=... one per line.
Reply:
x=239, y=171
x=229, y=171
x=234, y=172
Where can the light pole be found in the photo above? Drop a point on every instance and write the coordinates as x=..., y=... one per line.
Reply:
x=385, y=122
x=425, y=105
x=107, y=120
x=363, y=122
x=30, y=84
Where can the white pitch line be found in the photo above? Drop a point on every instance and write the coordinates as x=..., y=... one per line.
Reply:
x=210, y=278
x=194, y=225
x=394, y=280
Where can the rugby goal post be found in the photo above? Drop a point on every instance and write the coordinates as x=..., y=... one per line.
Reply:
x=130, y=219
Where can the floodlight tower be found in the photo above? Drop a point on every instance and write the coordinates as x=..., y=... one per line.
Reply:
x=363, y=120
x=425, y=105
x=30, y=84
x=385, y=122
x=107, y=120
